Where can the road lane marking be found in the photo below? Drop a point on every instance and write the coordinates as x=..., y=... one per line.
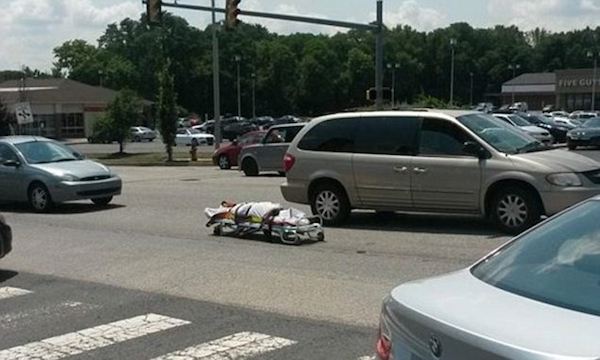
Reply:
x=367, y=358
x=238, y=346
x=25, y=318
x=92, y=338
x=8, y=292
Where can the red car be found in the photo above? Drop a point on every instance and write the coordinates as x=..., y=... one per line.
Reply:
x=227, y=156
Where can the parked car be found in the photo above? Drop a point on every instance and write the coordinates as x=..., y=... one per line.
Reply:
x=485, y=107
x=567, y=121
x=582, y=115
x=5, y=237
x=559, y=114
x=587, y=134
x=141, y=133
x=549, y=108
x=227, y=156
x=267, y=155
x=519, y=106
x=263, y=122
x=43, y=172
x=238, y=128
x=439, y=161
x=542, y=135
x=558, y=131
x=534, y=298
x=193, y=137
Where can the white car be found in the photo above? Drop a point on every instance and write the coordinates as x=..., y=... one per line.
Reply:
x=189, y=137
x=571, y=122
x=541, y=135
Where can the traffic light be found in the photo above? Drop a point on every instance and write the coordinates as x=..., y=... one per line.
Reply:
x=154, y=11
x=372, y=94
x=232, y=13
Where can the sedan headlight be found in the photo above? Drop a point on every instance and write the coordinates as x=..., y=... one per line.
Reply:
x=564, y=179
x=69, y=177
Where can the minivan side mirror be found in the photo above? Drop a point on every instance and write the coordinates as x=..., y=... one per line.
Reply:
x=12, y=163
x=473, y=148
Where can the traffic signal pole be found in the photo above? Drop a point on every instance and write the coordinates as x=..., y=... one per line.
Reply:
x=216, y=81
x=376, y=27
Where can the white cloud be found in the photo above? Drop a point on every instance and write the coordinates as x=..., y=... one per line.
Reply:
x=411, y=13
x=555, y=15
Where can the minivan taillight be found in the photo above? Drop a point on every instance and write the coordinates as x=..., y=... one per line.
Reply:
x=288, y=162
x=383, y=348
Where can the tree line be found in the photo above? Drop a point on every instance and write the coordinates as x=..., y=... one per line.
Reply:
x=308, y=74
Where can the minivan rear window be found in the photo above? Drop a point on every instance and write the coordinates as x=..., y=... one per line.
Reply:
x=336, y=135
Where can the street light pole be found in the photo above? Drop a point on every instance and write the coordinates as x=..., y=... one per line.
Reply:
x=514, y=68
x=254, y=96
x=471, y=92
x=452, y=44
x=594, y=78
x=379, y=56
x=393, y=68
x=238, y=58
x=216, y=84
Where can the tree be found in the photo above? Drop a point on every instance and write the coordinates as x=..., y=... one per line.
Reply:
x=167, y=108
x=122, y=114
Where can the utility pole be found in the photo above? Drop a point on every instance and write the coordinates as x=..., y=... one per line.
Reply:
x=238, y=59
x=216, y=83
x=393, y=67
x=594, y=78
x=379, y=56
x=471, y=92
x=253, y=96
x=452, y=44
x=514, y=68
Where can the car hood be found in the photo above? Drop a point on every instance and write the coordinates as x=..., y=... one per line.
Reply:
x=558, y=161
x=464, y=310
x=80, y=168
x=534, y=129
x=591, y=130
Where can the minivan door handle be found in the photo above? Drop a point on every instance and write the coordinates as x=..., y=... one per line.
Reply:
x=419, y=170
x=400, y=169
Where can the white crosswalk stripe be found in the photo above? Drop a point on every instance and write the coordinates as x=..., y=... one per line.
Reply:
x=367, y=358
x=8, y=292
x=238, y=346
x=92, y=338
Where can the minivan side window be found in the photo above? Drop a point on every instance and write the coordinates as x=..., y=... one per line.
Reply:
x=441, y=137
x=335, y=135
x=6, y=154
x=387, y=135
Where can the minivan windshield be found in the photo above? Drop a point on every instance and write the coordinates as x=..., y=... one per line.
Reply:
x=556, y=263
x=503, y=137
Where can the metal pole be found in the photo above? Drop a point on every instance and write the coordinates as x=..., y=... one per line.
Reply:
x=471, y=93
x=394, y=86
x=513, y=86
x=452, y=76
x=379, y=56
x=216, y=84
x=253, y=96
x=594, y=82
x=239, y=87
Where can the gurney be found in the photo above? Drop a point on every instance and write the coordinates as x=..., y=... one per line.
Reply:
x=290, y=226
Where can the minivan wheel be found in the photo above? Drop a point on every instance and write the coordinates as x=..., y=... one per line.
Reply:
x=331, y=204
x=224, y=162
x=39, y=198
x=249, y=167
x=515, y=210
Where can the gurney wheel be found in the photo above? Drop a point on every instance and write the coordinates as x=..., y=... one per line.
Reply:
x=218, y=230
x=321, y=237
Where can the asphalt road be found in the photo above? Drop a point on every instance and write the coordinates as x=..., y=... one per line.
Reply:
x=146, y=268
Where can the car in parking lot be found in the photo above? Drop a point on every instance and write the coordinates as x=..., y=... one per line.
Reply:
x=433, y=161
x=558, y=131
x=227, y=156
x=542, y=135
x=267, y=155
x=193, y=137
x=588, y=134
x=141, y=133
x=536, y=297
x=5, y=237
x=44, y=172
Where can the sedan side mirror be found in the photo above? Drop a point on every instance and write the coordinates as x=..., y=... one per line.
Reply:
x=12, y=163
x=473, y=148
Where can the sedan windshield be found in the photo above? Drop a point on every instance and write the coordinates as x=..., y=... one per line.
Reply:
x=42, y=152
x=501, y=136
x=592, y=123
x=519, y=121
x=558, y=263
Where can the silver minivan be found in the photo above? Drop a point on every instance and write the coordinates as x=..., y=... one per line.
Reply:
x=433, y=161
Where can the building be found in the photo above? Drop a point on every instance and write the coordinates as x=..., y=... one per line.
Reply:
x=62, y=108
x=568, y=90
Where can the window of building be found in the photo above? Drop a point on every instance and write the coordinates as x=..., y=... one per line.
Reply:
x=72, y=125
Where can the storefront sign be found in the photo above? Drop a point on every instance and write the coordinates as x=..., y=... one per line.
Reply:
x=578, y=83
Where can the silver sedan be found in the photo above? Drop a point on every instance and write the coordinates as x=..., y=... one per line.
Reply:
x=43, y=172
x=537, y=297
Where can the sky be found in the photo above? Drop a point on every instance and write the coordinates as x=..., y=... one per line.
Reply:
x=30, y=29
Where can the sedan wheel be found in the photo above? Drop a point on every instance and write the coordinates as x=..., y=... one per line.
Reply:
x=515, y=210
x=39, y=198
x=224, y=162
